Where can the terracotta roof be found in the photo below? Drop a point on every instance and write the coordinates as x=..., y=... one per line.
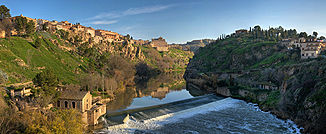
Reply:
x=73, y=94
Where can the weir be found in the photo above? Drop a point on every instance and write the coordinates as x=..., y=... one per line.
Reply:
x=145, y=113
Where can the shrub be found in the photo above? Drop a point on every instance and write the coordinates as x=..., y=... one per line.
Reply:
x=38, y=43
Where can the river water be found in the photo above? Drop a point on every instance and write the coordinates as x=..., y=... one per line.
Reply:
x=166, y=110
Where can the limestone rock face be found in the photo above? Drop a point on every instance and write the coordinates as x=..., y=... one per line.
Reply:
x=300, y=84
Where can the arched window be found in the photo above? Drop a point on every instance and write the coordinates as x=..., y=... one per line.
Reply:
x=73, y=104
x=58, y=104
x=66, y=104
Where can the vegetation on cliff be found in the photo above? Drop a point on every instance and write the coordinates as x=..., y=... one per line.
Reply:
x=243, y=65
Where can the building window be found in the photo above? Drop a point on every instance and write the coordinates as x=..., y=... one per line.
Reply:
x=58, y=103
x=73, y=104
x=66, y=104
x=86, y=106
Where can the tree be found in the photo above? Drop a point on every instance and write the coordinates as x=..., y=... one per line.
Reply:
x=128, y=37
x=4, y=12
x=303, y=34
x=30, y=27
x=47, y=81
x=6, y=25
x=315, y=34
x=23, y=26
x=46, y=78
x=20, y=24
x=38, y=42
x=322, y=37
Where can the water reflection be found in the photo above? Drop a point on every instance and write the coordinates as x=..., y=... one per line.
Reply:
x=155, y=88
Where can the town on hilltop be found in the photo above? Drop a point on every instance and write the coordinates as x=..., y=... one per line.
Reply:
x=87, y=34
x=309, y=47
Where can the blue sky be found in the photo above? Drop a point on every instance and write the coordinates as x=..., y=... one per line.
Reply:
x=178, y=20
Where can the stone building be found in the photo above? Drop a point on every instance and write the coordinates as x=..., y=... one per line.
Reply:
x=23, y=92
x=267, y=86
x=310, y=50
x=159, y=44
x=64, y=25
x=108, y=35
x=241, y=31
x=2, y=34
x=289, y=43
x=81, y=101
x=90, y=31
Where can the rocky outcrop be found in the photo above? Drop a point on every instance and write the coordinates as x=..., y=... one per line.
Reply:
x=301, y=89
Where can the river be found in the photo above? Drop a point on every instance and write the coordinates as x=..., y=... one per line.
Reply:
x=175, y=110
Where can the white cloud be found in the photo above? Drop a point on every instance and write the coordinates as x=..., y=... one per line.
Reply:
x=104, y=22
x=135, y=11
x=130, y=11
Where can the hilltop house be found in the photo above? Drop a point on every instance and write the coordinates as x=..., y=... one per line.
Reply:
x=90, y=31
x=64, y=25
x=289, y=43
x=81, y=101
x=159, y=44
x=241, y=31
x=108, y=35
x=309, y=48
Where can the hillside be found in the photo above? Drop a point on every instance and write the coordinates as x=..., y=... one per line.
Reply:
x=21, y=60
x=264, y=71
x=194, y=45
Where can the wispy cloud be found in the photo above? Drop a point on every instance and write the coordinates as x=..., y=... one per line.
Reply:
x=106, y=18
x=135, y=11
x=103, y=22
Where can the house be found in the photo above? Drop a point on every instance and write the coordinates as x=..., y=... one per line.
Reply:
x=90, y=31
x=2, y=34
x=64, y=25
x=95, y=112
x=81, y=101
x=267, y=86
x=241, y=31
x=78, y=28
x=159, y=44
x=289, y=43
x=310, y=50
x=23, y=92
x=298, y=43
x=108, y=35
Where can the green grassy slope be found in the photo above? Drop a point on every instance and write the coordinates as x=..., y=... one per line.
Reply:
x=21, y=61
x=242, y=53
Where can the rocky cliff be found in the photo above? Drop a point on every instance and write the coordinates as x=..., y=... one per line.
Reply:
x=265, y=73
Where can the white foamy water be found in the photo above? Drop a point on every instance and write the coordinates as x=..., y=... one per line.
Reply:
x=224, y=116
